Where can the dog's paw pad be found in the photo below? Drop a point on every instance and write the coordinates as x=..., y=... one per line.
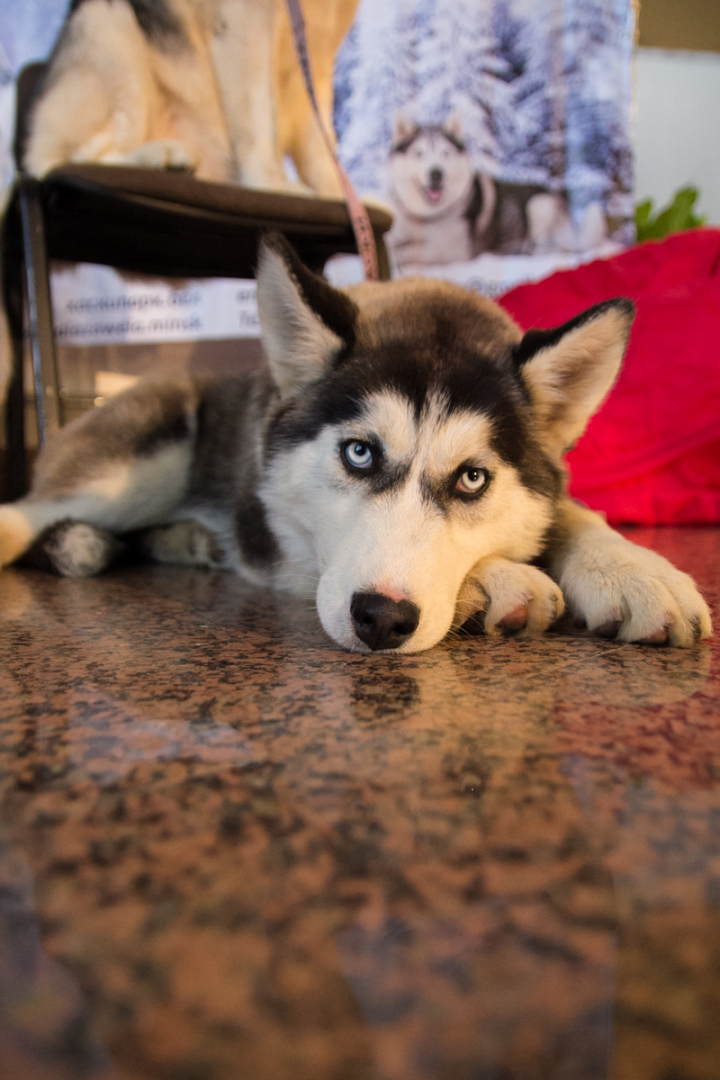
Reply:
x=658, y=637
x=514, y=620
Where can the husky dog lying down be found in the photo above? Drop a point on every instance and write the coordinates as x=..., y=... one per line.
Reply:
x=399, y=458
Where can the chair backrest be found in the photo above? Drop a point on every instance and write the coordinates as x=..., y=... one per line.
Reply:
x=29, y=85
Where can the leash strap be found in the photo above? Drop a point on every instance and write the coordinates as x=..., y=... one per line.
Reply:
x=358, y=214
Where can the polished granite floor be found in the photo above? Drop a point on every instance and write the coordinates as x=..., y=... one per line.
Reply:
x=229, y=851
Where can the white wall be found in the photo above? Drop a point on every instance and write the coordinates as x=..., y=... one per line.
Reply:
x=678, y=127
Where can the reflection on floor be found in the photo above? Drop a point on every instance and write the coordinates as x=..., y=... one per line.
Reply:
x=229, y=851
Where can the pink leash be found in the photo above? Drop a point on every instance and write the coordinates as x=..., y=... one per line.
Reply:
x=358, y=214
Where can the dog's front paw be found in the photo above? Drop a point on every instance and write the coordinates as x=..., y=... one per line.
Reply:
x=502, y=597
x=163, y=154
x=621, y=590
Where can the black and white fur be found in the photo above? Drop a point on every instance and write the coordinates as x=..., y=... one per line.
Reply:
x=399, y=458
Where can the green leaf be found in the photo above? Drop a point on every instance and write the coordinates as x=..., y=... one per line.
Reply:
x=676, y=217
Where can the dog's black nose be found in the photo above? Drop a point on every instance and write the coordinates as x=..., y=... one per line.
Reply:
x=436, y=178
x=383, y=623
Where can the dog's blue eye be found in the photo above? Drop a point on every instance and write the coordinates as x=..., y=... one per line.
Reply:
x=358, y=454
x=472, y=480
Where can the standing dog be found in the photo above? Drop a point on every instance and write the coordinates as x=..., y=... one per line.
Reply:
x=399, y=457
x=446, y=212
x=208, y=85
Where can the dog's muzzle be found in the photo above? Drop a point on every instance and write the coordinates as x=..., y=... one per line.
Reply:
x=382, y=623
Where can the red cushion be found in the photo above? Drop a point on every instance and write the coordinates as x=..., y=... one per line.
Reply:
x=652, y=453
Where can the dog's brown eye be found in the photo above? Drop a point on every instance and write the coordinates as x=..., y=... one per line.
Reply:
x=472, y=480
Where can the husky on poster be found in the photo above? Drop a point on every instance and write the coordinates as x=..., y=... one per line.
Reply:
x=497, y=130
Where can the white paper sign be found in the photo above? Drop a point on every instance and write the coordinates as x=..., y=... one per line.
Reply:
x=97, y=305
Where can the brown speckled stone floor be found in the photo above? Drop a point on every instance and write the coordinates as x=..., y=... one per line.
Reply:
x=229, y=851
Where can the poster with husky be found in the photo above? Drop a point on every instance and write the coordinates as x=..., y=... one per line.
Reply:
x=497, y=130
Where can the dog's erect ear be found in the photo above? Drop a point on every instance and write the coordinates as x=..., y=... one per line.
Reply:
x=570, y=370
x=454, y=126
x=403, y=128
x=305, y=322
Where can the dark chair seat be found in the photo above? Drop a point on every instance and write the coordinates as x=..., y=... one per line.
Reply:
x=168, y=223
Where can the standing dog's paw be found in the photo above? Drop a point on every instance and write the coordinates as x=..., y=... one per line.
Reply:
x=163, y=154
x=628, y=592
x=502, y=597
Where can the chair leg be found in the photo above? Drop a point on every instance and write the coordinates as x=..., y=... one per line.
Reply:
x=48, y=402
x=15, y=480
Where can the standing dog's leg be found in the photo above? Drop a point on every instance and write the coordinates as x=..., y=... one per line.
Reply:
x=622, y=590
x=327, y=22
x=98, y=93
x=243, y=54
x=120, y=468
